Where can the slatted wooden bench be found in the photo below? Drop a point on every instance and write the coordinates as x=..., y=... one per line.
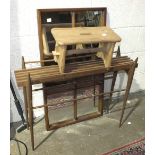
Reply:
x=51, y=73
x=73, y=71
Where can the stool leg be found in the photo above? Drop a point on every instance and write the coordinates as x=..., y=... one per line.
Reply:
x=129, y=82
x=30, y=109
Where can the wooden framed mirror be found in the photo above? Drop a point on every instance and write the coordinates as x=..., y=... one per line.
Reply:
x=71, y=17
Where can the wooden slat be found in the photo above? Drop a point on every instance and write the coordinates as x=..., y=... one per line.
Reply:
x=56, y=72
x=54, y=69
x=62, y=77
x=45, y=74
x=47, y=68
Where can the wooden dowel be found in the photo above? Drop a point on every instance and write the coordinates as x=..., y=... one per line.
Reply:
x=69, y=58
x=27, y=62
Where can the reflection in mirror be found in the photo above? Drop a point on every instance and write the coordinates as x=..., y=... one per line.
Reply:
x=56, y=17
x=90, y=18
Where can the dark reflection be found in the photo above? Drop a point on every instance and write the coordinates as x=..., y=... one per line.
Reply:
x=89, y=18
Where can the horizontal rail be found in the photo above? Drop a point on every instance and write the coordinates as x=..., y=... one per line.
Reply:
x=107, y=93
x=69, y=58
x=85, y=51
x=50, y=88
x=27, y=62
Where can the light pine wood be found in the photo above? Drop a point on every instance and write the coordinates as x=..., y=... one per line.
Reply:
x=56, y=56
x=84, y=35
x=61, y=57
x=79, y=46
x=106, y=53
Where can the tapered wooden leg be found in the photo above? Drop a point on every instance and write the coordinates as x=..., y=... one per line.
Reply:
x=107, y=53
x=25, y=96
x=75, y=101
x=113, y=85
x=101, y=97
x=114, y=75
x=129, y=82
x=61, y=49
x=46, y=109
x=30, y=109
x=26, y=106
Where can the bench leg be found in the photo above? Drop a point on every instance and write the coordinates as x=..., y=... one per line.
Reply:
x=25, y=96
x=113, y=85
x=46, y=109
x=30, y=109
x=101, y=97
x=26, y=106
x=129, y=82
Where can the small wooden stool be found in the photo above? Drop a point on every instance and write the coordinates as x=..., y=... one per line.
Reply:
x=84, y=35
